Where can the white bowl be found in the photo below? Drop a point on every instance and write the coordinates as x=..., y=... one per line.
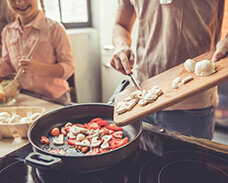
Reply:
x=17, y=129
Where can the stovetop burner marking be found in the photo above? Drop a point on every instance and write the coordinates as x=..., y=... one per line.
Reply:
x=153, y=166
x=198, y=173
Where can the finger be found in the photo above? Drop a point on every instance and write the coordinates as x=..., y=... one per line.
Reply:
x=125, y=63
x=116, y=64
x=217, y=56
x=24, y=61
x=119, y=65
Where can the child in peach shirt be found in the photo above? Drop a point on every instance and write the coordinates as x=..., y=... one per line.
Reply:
x=51, y=63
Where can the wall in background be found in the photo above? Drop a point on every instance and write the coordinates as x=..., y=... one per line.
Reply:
x=85, y=44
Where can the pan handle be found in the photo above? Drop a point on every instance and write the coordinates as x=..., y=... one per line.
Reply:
x=38, y=160
x=119, y=88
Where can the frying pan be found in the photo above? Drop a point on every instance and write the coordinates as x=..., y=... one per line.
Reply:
x=80, y=113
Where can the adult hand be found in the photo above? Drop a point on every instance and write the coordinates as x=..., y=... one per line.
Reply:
x=221, y=50
x=123, y=60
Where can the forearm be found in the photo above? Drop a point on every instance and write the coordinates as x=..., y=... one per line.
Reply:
x=121, y=37
x=55, y=70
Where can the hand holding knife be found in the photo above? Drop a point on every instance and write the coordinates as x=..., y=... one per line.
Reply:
x=123, y=61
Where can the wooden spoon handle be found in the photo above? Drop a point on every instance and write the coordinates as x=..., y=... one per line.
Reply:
x=33, y=48
x=28, y=57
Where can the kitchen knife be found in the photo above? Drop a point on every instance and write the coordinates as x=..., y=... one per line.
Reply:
x=135, y=82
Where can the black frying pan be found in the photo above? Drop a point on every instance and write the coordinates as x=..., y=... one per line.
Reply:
x=80, y=113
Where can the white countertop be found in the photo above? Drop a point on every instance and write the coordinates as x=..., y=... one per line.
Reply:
x=10, y=145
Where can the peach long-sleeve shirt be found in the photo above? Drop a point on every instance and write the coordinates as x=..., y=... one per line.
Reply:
x=53, y=48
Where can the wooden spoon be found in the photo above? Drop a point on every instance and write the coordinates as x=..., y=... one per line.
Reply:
x=11, y=89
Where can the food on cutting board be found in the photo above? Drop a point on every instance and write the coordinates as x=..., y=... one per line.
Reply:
x=177, y=82
x=204, y=68
x=201, y=68
x=189, y=65
x=141, y=98
x=95, y=137
x=14, y=118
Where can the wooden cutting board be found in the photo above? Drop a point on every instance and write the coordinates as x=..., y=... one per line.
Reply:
x=171, y=96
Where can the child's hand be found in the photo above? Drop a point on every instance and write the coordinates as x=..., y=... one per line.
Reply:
x=29, y=66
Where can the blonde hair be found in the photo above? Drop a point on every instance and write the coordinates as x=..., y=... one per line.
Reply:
x=42, y=5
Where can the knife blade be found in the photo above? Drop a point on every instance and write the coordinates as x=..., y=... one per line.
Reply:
x=135, y=82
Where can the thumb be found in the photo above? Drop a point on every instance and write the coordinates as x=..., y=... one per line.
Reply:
x=221, y=49
x=217, y=56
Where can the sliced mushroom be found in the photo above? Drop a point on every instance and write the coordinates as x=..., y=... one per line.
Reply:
x=143, y=102
x=35, y=116
x=107, y=137
x=150, y=97
x=95, y=142
x=71, y=135
x=176, y=82
x=156, y=91
x=85, y=142
x=3, y=119
x=131, y=104
x=122, y=109
x=105, y=145
x=14, y=119
x=76, y=129
x=59, y=140
x=187, y=79
x=80, y=137
x=26, y=120
x=4, y=114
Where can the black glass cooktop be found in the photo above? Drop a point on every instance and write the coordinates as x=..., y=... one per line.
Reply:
x=141, y=167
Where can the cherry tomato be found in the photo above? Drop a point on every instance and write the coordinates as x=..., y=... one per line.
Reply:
x=71, y=142
x=118, y=134
x=113, y=127
x=123, y=142
x=105, y=130
x=44, y=140
x=55, y=131
x=84, y=149
x=95, y=120
x=103, y=123
x=104, y=150
x=113, y=143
